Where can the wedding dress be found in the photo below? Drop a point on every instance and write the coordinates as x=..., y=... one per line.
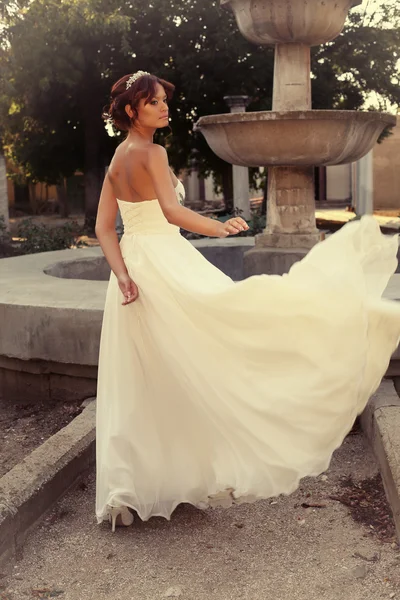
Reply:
x=212, y=392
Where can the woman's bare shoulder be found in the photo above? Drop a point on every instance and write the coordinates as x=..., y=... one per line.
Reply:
x=156, y=152
x=156, y=160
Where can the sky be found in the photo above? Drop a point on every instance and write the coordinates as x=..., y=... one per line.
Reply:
x=369, y=7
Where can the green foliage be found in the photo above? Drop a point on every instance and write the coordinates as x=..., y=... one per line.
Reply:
x=208, y=59
x=40, y=238
x=256, y=223
x=55, y=65
x=362, y=60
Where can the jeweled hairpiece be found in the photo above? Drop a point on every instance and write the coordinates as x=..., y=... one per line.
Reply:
x=134, y=77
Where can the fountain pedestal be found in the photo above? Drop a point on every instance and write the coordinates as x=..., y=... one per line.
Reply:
x=291, y=229
x=291, y=208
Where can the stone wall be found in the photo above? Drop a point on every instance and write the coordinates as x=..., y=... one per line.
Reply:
x=387, y=172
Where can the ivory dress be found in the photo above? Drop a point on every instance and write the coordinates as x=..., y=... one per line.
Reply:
x=212, y=392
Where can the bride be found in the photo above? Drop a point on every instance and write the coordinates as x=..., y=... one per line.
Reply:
x=212, y=392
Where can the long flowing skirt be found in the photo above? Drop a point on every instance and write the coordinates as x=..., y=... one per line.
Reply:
x=212, y=391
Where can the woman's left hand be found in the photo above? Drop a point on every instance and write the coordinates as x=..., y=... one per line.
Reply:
x=129, y=289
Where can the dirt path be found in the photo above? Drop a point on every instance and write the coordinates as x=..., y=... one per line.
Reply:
x=280, y=549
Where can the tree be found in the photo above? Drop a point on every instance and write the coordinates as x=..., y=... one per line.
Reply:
x=207, y=58
x=58, y=61
x=44, y=152
x=363, y=61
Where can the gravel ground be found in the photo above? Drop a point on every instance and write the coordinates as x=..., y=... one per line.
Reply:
x=343, y=547
x=26, y=425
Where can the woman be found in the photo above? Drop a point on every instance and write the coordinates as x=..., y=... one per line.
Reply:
x=213, y=392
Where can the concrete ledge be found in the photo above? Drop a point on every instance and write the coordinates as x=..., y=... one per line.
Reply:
x=45, y=381
x=226, y=254
x=41, y=367
x=36, y=483
x=381, y=424
x=56, y=315
x=89, y=268
x=49, y=318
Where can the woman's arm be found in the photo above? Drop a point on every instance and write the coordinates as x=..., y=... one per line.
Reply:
x=108, y=239
x=105, y=229
x=157, y=165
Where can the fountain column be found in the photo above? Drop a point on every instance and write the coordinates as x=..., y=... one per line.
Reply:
x=240, y=175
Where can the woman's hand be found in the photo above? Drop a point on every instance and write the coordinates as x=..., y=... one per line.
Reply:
x=231, y=227
x=129, y=289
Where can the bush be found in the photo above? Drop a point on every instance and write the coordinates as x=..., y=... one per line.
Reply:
x=40, y=238
x=6, y=247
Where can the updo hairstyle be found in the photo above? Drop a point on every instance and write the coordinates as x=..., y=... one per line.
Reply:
x=143, y=87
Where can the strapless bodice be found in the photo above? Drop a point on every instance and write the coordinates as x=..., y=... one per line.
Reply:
x=147, y=218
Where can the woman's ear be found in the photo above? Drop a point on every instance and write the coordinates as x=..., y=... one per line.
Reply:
x=129, y=111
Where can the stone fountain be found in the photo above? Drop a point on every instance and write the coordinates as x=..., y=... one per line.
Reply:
x=292, y=138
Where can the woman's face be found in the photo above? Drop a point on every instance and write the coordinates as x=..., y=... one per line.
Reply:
x=154, y=114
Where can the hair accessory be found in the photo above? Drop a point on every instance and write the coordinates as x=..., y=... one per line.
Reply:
x=110, y=120
x=134, y=77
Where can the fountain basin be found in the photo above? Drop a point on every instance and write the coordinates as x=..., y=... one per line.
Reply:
x=308, y=22
x=293, y=138
x=50, y=326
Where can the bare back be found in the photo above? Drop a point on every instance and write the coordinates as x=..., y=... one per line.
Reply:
x=128, y=173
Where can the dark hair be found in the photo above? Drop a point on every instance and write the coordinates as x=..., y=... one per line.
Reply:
x=143, y=87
